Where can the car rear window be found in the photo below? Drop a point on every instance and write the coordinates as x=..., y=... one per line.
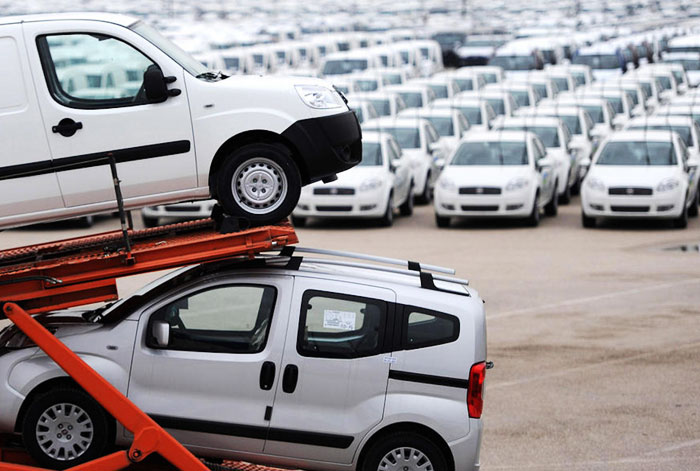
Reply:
x=424, y=328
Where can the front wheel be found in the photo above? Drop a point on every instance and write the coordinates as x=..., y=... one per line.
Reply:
x=565, y=198
x=65, y=427
x=404, y=452
x=552, y=208
x=587, y=221
x=693, y=209
x=533, y=220
x=425, y=196
x=406, y=209
x=387, y=219
x=259, y=182
x=681, y=222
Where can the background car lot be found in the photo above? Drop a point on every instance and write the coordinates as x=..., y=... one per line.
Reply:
x=594, y=333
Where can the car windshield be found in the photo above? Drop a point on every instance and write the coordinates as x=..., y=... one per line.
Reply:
x=383, y=106
x=678, y=75
x=549, y=135
x=186, y=61
x=616, y=103
x=637, y=153
x=408, y=138
x=514, y=62
x=579, y=78
x=665, y=82
x=366, y=85
x=443, y=125
x=412, y=99
x=596, y=112
x=688, y=64
x=465, y=84
x=521, y=97
x=632, y=94
x=598, y=61
x=484, y=43
x=489, y=77
x=541, y=89
x=562, y=83
x=491, y=153
x=647, y=88
x=404, y=57
x=572, y=122
x=448, y=40
x=683, y=131
x=392, y=79
x=473, y=113
x=344, y=66
x=497, y=104
x=440, y=90
x=371, y=154
x=231, y=63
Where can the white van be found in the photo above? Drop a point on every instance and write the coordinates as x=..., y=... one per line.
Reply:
x=176, y=131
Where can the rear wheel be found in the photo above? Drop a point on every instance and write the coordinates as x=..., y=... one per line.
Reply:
x=406, y=209
x=298, y=221
x=259, y=182
x=65, y=427
x=693, y=209
x=149, y=222
x=587, y=221
x=552, y=208
x=404, y=452
x=681, y=222
x=533, y=220
x=425, y=196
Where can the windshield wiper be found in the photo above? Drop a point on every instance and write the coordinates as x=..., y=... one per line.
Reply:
x=211, y=76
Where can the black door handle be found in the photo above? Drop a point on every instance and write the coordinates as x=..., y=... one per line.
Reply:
x=267, y=375
x=289, y=380
x=67, y=127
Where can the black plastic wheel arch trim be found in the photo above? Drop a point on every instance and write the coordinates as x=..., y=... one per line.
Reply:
x=429, y=379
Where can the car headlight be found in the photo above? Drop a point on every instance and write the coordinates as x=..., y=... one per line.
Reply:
x=668, y=185
x=595, y=184
x=371, y=184
x=517, y=184
x=447, y=184
x=319, y=97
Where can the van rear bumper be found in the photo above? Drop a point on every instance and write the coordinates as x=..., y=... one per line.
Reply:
x=326, y=145
x=466, y=450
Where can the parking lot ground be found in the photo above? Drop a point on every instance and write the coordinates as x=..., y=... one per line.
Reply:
x=595, y=333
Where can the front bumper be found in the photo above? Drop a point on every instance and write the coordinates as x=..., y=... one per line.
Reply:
x=517, y=204
x=326, y=145
x=659, y=205
x=360, y=205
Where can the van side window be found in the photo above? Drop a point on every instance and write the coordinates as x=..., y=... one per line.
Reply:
x=92, y=70
x=424, y=328
x=222, y=319
x=340, y=326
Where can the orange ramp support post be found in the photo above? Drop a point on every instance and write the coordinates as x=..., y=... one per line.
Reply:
x=149, y=437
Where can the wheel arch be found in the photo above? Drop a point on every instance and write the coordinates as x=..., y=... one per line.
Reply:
x=414, y=427
x=249, y=137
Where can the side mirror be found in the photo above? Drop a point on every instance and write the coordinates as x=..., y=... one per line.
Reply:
x=543, y=163
x=161, y=332
x=585, y=163
x=155, y=85
x=394, y=165
x=440, y=163
x=434, y=147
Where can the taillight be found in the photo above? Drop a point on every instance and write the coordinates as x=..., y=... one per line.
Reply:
x=475, y=394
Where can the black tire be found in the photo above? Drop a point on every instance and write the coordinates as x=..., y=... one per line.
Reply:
x=406, y=209
x=681, y=222
x=298, y=221
x=425, y=196
x=387, y=220
x=149, y=222
x=552, y=208
x=587, y=221
x=442, y=221
x=270, y=170
x=693, y=209
x=397, y=447
x=576, y=187
x=86, y=221
x=533, y=220
x=99, y=435
x=565, y=198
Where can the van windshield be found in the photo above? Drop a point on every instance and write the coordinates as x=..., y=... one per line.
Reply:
x=491, y=153
x=186, y=61
x=637, y=153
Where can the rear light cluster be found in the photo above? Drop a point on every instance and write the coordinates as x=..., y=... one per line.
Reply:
x=475, y=394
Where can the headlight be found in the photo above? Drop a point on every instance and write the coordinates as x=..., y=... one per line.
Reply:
x=667, y=185
x=447, y=184
x=595, y=184
x=371, y=184
x=517, y=184
x=319, y=97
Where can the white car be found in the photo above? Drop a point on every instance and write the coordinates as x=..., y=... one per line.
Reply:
x=384, y=103
x=380, y=184
x=414, y=96
x=418, y=140
x=555, y=136
x=465, y=81
x=641, y=174
x=690, y=61
x=442, y=87
x=524, y=94
x=581, y=73
x=684, y=126
x=450, y=124
x=490, y=73
x=497, y=174
x=618, y=99
x=478, y=112
x=600, y=110
x=349, y=62
x=634, y=90
x=176, y=131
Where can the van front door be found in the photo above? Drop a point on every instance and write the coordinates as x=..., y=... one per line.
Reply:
x=89, y=80
x=335, y=370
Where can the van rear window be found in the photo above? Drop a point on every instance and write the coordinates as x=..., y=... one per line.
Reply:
x=424, y=328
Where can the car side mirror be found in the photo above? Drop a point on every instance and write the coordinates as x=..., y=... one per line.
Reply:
x=433, y=147
x=161, y=332
x=440, y=163
x=394, y=165
x=543, y=163
x=155, y=85
x=585, y=163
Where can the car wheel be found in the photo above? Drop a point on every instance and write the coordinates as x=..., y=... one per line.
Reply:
x=565, y=198
x=693, y=209
x=681, y=222
x=533, y=220
x=149, y=222
x=298, y=221
x=576, y=187
x=406, y=209
x=587, y=221
x=552, y=208
x=259, y=182
x=442, y=221
x=424, y=197
x=86, y=221
x=65, y=427
x=387, y=219
x=404, y=452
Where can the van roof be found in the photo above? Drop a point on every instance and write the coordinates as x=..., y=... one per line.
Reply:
x=122, y=20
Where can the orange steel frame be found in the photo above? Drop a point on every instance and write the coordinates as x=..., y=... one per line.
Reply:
x=82, y=281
